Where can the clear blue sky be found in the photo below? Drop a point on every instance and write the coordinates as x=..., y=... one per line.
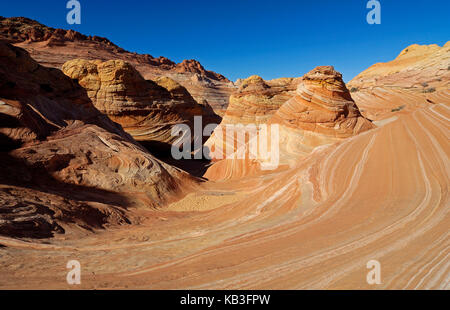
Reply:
x=239, y=38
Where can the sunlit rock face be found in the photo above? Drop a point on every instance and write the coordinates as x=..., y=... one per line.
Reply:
x=256, y=100
x=418, y=77
x=320, y=112
x=322, y=105
x=65, y=159
x=252, y=104
x=417, y=68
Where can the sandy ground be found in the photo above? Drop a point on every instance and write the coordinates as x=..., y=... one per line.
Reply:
x=204, y=201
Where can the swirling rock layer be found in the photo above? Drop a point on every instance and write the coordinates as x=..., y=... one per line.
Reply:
x=381, y=195
x=254, y=103
x=322, y=105
x=257, y=100
x=417, y=68
x=418, y=77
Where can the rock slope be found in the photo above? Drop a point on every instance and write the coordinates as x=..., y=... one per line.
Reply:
x=418, y=77
x=417, y=68
x=63, y=161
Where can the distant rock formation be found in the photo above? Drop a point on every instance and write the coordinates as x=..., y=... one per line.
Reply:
x=146, y=109
x=257, y=100
x=53, y=47
x=63, y=161
x=418, y=77
x=193, y=66
x=417, y=68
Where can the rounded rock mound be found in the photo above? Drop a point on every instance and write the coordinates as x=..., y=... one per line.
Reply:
x=323, y=105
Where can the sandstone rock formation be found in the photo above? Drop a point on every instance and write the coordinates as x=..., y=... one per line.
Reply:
x=63, y=161
x=146, y=109
x=321, y=112
x=322, y=105
x=257, y=100
x=417, y=68
x=54, y=47
x=254, y=103
x=418, y=77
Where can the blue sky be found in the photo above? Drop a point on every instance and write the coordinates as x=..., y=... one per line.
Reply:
x=239, y=38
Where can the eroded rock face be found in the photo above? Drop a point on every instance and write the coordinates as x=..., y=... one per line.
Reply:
x=62, y=160
x=418, y=77
x=321, y=112
x=417, y=68
x=193, y=66
x=145, y=109
x=54, y=47
x=257, y=100
x=253, y=104
x=323, y=105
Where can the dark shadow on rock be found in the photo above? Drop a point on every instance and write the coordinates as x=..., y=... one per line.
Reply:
x=195, y=167
x=15, y=171
x=162, y=151
x=25, y=216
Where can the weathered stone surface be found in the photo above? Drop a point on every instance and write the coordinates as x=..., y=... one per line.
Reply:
x=257, y=100
x=323, y=105
x=417, y=68
x=55, y=143
x=418, y=77
x=254, y=103
x=146, y=109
